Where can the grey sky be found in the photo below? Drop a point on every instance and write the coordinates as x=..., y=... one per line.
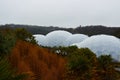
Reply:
x=63, y=13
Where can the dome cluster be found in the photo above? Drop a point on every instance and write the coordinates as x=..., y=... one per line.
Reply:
x=41, y=39
x=102, y=45
x=56, y=38
x=75, y=38
x=59, y=38
x=99, y=44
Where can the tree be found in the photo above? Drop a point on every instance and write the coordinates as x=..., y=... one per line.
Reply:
x=42, y=63
x=7, y=41
x=7, y=73
x=107, y=68
x=23, y=34
x=81, y=64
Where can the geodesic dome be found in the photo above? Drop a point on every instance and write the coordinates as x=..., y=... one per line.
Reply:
x=102, y=44
x=56, y=38
x=75, y=38
x=41, y=39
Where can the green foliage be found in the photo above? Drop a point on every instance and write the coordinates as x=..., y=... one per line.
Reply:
x=7, y=73
x=78, y=63
x=23, y=34
x=82, y=64
x=81, y=57
x=7, y=41
x=8, y=38
x=107, y=68
x=105, y=61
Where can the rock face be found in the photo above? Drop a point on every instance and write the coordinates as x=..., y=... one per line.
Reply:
x=56, y=38
x=41, y=39
x=75, y=38
x=102, y=44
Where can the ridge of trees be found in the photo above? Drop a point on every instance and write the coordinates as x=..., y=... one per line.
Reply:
x=88, y=30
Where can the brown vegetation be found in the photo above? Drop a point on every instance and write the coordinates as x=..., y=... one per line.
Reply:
x=40, y=63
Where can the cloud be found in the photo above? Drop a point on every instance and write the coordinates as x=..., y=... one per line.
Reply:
x=62, y=13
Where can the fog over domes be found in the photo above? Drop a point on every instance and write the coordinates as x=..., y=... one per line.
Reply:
x=40, y=39
x=56, y=38
x=102, y=44
x=75, y=38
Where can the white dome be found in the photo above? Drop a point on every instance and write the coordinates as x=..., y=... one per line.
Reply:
x=41, y=39
x=102, y=44
x=56, y=38
x=75, y=38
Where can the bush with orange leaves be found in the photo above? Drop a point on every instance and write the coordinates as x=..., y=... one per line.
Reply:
x=38, y=62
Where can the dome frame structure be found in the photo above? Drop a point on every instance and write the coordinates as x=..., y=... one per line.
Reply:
x=102, y=45
x=41, y=39
x=75, y=38
x=57, y=38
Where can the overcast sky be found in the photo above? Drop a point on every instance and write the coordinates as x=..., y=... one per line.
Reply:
x=62, y=13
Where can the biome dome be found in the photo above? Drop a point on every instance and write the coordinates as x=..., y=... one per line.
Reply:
x=56, y=38
x=102, y=44
x=75, y=38
x=40, y=39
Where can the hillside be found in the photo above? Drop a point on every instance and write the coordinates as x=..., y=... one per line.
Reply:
x=22, y=59
x=38, y=62
x=88, y=30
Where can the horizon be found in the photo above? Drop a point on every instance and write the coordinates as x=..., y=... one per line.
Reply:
x=58, y=26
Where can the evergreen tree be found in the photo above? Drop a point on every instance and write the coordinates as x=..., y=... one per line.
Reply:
x=107, y=68
x=7, y=73
x=23, y=34
x=7, y=41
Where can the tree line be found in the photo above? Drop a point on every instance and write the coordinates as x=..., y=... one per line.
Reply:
x=88, y=30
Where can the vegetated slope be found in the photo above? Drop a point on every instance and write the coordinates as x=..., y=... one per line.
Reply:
x=97, y=29
x=88, y=30
x=40, y=63
x=83, y=64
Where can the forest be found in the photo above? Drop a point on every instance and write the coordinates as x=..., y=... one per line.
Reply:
x=87, y=30
x=21, y=58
